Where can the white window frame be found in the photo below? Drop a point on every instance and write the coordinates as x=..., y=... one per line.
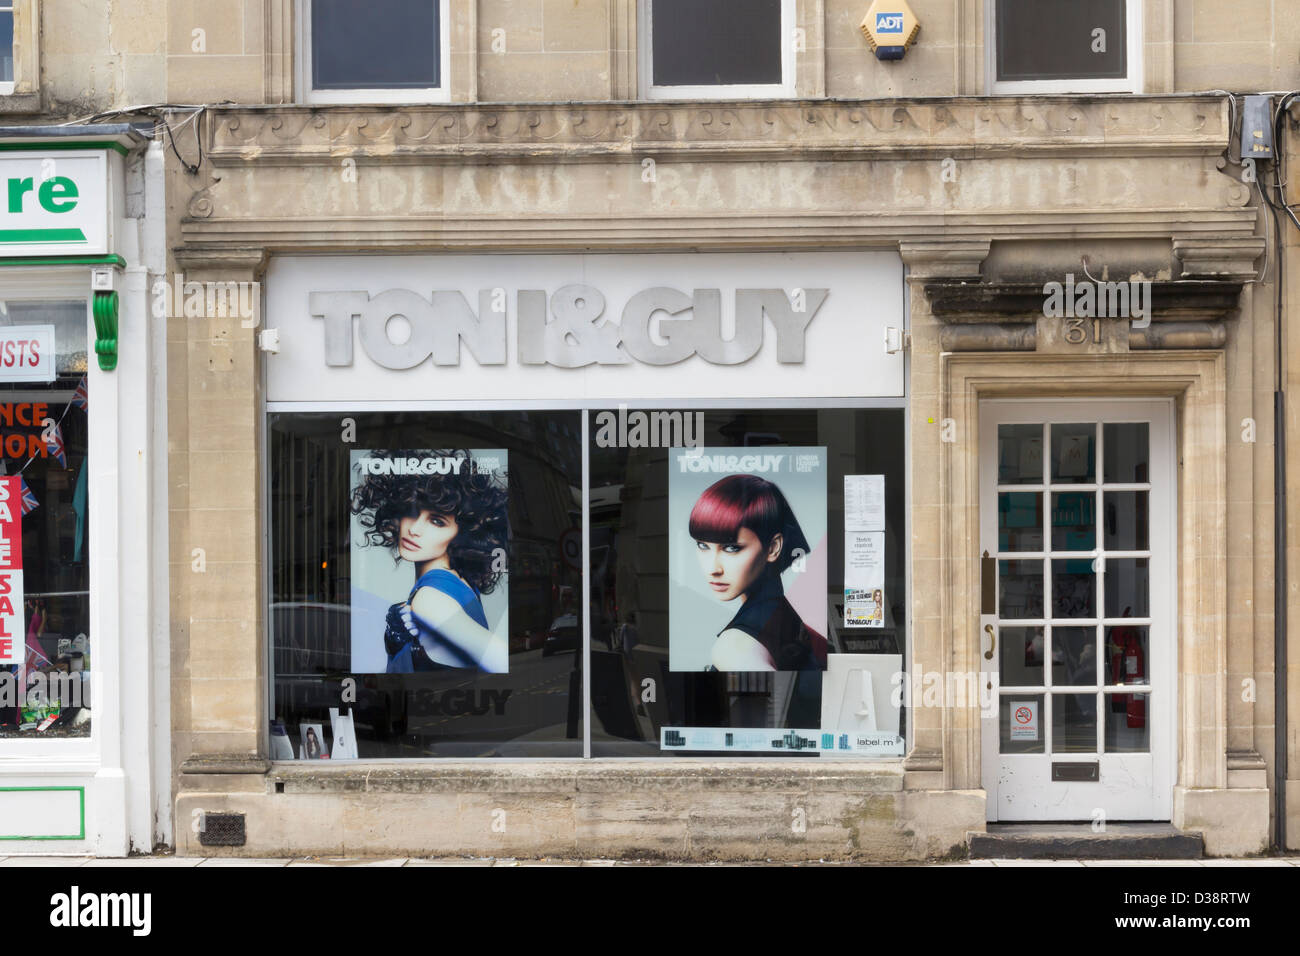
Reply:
x=645, y=69
x=7, y=87
x=437, y=94
x=1130, y=84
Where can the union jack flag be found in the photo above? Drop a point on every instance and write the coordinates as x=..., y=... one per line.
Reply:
x=55, y=446
x=80, y=398
x=29, y=502
x=34, y=658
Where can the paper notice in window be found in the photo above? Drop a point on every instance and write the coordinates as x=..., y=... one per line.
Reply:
x=864, y=579
x=864, y=503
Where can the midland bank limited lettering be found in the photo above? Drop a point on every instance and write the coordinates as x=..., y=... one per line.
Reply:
x=571, y=329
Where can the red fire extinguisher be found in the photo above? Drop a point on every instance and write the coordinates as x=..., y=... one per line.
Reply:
x=1129, y=666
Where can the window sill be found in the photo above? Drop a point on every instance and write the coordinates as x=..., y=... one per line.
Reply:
x=578, y=775
x=20, y=104
x=1062, y=87
x=376, y=97
x=687, y=93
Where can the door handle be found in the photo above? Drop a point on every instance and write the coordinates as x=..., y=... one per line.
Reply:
x=993, y=642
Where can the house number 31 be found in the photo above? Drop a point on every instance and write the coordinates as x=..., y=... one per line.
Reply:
x=1076, y=331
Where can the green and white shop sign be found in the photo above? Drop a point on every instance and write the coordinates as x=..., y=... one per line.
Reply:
x=54, y=203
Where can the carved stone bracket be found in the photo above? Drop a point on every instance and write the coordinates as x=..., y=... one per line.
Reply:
x=946, y=260
x=1219, y=257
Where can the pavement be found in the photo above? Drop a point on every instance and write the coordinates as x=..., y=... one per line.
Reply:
x=192, y=861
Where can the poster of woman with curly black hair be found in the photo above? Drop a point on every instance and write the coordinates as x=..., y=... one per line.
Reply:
x=429, y=543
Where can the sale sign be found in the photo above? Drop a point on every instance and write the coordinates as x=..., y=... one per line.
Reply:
x=12, y=645
x=27, y=353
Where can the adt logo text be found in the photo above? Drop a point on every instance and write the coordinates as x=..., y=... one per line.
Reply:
x=889, y=23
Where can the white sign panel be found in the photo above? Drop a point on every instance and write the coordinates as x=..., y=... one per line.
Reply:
x=54, y=204
x=595, y=327
x=27, y=353
x=864, y=502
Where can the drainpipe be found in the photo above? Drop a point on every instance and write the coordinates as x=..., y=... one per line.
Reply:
x=1279, y=614
x=1280, y=588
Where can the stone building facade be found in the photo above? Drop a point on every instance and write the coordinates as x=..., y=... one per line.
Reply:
x=547, y=137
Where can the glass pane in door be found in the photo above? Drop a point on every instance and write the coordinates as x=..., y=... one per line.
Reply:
x=1128, y=587
x=1125, y=520
x=1020, y=589
x=1126, y=654
x=1074, y=521
x=1074, y=723
x=1020, y=454
x=1127, y=453
x=1020, y=656
x=1074, y=588
x=1020, y=521
x=1127, y=728
x=1074, y=656
x=1074, y=454
x=1021, y=722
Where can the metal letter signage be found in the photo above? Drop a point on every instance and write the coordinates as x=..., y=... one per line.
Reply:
x=505, y=327
x=572, y=330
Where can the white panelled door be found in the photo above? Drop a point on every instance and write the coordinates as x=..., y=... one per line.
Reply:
x=1077, y=513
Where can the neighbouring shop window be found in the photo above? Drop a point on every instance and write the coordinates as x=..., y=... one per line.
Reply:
x=374, y=45
x=748, y=591
x=711, y=45
x=1063, y=41
x=426, y=584
x=44, y=551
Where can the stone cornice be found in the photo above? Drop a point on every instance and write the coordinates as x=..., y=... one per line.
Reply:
x=205, y=236
x=959, y=127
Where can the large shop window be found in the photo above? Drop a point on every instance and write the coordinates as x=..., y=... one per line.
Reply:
x=45, y=639
x=744, y=588
x=426, y=586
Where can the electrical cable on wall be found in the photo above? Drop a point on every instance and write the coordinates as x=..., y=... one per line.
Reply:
x=158, y=113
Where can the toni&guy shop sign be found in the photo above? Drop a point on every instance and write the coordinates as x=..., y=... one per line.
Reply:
x=601, y=326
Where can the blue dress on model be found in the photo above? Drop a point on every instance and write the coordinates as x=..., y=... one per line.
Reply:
x=406, y=655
